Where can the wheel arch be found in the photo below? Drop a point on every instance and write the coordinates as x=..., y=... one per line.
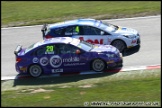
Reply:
x=95, y=59
x=34, y=64
x=120, y=40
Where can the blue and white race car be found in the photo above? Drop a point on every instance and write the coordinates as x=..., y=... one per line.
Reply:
x=65, y=54
x=94, y=31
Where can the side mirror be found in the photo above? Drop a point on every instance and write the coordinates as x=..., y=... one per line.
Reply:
x=77, y=51
x=102, y=33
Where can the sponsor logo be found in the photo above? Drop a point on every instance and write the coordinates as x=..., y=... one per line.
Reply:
x=110, y=62
x=73, y=64
x=57, y=70
x=133, y=41
x=35, y=60
x=44, y=61
x=71, y=59
x=55, y=61
x=50, y=52
x=95, y=41
x=24, y=69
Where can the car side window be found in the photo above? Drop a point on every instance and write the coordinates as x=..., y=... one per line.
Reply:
x=40, y=51
x=59, y=31
x=66, y=48
x=88, y=30
x=72, y=30
x=47, y=50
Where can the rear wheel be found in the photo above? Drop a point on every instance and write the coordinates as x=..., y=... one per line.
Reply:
x=35, y=70
x=120, y=45
x=98, y=65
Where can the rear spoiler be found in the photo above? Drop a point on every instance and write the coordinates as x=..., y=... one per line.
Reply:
x=44, y=28
x=18, y=49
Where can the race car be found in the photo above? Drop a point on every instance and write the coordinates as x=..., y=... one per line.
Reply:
x=94, y=31
x=65, y=54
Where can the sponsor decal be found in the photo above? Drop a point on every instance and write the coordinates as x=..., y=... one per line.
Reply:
x=55, y=61
x=50, y=52
x=35, y=60
x=109, y=40
x=73, y=64
x=71, y=59
x=57, y=70
x=44, y=61
x=110, y=62
x=133, y=41
x=24, y=69
x=95, y=41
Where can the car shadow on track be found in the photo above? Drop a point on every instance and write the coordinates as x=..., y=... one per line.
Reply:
x=30, y=81
x=131, y=51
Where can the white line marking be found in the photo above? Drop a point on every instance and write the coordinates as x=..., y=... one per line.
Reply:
x=103, y=20
x=83, y=73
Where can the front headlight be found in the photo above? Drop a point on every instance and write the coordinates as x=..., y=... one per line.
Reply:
x=110, y=55
x=129, y=36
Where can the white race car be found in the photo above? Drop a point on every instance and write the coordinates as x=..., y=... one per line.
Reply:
x=94, y=31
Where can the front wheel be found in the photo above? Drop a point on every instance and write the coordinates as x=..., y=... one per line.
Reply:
x=35, y=70
x=119, y=44
x=98, y=65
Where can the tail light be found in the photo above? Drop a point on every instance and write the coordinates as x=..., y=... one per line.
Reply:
x=48, y=36
x=18, y=59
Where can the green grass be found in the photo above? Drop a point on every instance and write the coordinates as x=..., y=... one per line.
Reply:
x=17, y=13
x=134, y=86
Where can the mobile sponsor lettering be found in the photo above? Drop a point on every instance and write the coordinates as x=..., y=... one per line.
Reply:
x=56, y=61
x=71, y=59
x=44, y=61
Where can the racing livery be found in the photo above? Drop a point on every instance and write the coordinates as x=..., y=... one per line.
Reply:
x=94, y=31
x=65, y=54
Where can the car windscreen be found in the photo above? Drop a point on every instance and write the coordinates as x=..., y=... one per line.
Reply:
x=85, y=45
x=108, y=26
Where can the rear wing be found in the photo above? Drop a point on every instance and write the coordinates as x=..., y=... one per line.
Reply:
x=44, y=28
x=18, y=49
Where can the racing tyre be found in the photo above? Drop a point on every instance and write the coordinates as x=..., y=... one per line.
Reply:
x=98, y=65
x=35, y=70
x=119, y=44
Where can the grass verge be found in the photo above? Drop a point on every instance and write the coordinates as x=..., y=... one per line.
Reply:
x=20, y=13
x=140, y=88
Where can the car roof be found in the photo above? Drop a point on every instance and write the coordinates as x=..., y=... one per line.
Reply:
x=87, y=21
x=64, y=40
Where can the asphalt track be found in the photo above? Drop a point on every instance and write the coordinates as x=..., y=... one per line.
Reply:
x=149, y=53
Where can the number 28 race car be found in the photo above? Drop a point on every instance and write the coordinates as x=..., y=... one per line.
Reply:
x=65, y=54
x=94, y=31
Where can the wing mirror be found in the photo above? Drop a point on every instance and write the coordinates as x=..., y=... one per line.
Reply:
x=102, y=32
x=77, y=51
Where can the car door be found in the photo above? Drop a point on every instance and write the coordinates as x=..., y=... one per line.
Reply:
x=93, y=35
x=44, y=54
x=71, y=61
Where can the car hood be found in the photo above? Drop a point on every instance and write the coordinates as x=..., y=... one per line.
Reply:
x=104, y=48
x=127, y=31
